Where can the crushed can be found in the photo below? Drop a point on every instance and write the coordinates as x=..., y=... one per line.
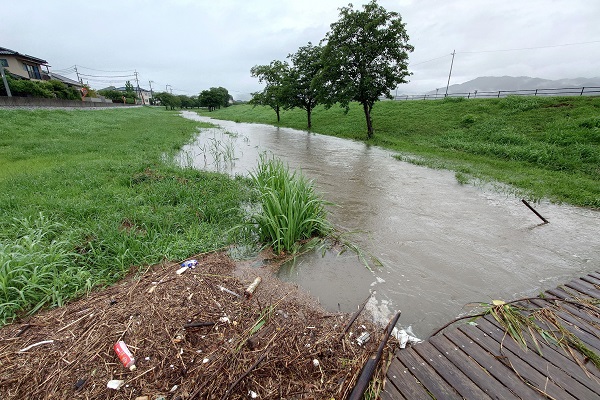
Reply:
x=124, y=355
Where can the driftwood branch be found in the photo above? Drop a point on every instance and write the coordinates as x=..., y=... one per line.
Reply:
x=238, y=380
x=367, y=372
x=356, y=314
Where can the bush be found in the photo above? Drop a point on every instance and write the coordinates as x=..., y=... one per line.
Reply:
x=46, y=89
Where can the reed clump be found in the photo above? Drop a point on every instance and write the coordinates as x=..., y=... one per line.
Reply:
x=290, y=209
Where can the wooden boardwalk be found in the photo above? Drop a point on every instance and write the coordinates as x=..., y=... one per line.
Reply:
x=480, y=362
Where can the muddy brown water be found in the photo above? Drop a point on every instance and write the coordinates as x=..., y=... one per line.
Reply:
x=443, y=245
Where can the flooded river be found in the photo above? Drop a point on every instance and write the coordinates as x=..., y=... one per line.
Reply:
x=442, y=244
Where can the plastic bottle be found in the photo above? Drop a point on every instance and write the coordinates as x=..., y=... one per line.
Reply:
x=124, y=355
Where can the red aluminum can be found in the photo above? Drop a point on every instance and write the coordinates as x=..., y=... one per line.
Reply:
x=124, y=355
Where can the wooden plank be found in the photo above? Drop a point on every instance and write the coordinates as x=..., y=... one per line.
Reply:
x=477, y=373
x=577, y=285
x=571, y=325
x=587, y=285
x=432, y=382
x=561, y=293
x=399, y=377
x=454, y=376
x=562, y=360
x=570, y=318
x=533, y=377
x=492, y=366
x=390, y=392
x=591, y=279
x=580, y=312
x=595, y=275
x=535, y=361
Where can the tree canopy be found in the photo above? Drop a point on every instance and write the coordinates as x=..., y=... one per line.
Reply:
x=365, y=57
x=274, y=76
x=214, y=98
x=301, y=88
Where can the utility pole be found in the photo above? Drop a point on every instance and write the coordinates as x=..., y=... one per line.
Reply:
x=137, y=84
x=151, y=93
x=78, y=78
x=450, y=74
x=8, y=93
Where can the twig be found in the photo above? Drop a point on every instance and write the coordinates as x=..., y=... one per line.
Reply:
x=356, y=314
x=534, y=211
x=142, y=374
x=238, y=380
x=74, y=322
x=198, y=324
x=371, y=364
x=36, y=344
x=23, y=329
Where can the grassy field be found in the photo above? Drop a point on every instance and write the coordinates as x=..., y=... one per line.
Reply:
x=545, y=147
x=85, y=195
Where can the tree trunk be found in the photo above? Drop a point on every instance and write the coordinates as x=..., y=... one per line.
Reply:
x=277, y=112
x=308, y=114
x=367, y=109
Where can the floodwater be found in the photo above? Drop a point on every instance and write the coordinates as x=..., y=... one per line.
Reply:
x=443, y=245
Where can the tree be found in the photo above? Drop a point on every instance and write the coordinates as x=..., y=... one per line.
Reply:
x=167, y=99
x=302, y=91
x=365, y=57
x=274, y=76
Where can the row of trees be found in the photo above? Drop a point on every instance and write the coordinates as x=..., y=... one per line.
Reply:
x=363, y=57
x=212, y=99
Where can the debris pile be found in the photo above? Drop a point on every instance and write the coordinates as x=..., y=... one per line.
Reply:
x=196, y=334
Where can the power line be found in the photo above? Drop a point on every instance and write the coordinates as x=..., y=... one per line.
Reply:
x=100, y=70
x=107, y=76
x=528, y=48
x=433, y=59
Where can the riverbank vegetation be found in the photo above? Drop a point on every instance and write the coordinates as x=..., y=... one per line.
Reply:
x=290, y=209
x=86, y=195
x=545, y=147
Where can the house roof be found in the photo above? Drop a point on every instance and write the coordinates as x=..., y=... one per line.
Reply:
x=66, y=80
x=8, y=52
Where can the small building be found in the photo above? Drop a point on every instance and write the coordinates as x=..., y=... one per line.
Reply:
x=23, y=65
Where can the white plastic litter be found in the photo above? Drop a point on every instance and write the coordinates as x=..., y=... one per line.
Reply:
x=252, y=394
x=115, y=384
x=404, y=338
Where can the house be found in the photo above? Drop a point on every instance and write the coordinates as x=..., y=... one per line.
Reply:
x=23, y=65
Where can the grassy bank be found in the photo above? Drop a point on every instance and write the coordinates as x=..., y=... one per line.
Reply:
x=85, y=195
x=545, y=147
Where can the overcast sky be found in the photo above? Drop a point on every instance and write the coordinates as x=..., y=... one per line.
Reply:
x=193, y=45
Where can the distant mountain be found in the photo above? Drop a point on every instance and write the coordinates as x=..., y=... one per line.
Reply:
x=495, y=83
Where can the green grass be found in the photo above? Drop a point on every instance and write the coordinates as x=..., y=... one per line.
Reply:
x=290, y=210
x=86, y=195
x=544, y=147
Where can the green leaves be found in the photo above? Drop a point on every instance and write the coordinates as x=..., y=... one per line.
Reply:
x=290, y=209
x=366, y=56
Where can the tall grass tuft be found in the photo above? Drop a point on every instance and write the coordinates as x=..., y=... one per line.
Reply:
x=291, y=211
x=37, y=268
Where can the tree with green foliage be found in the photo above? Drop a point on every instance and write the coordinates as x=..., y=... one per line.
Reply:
x=214, y=98
x=302, y=91
x=275, y=77
x=365, y=57
x=167, y=99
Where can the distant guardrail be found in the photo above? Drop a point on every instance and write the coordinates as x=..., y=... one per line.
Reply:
x=575, y=91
